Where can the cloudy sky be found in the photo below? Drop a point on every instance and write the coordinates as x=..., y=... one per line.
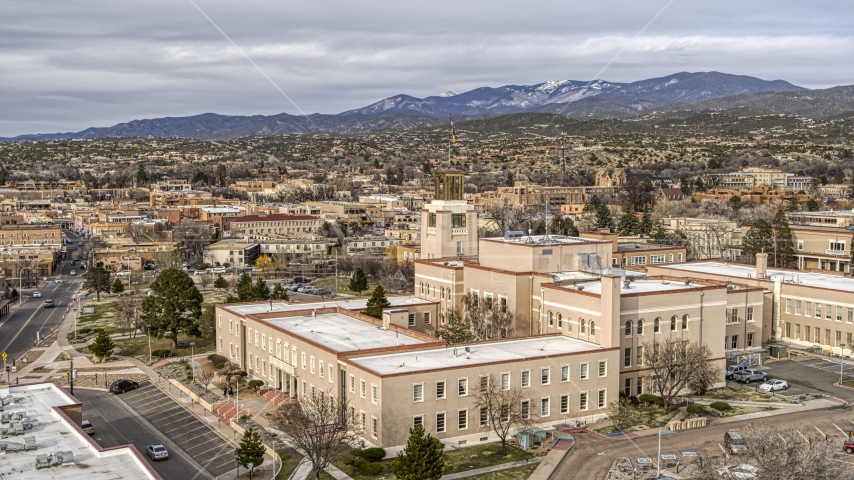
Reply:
x=69, y=65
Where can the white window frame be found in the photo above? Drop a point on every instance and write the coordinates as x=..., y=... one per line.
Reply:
x=418, y=393
x=565, y=374
x=584, y=371
x=525, y=373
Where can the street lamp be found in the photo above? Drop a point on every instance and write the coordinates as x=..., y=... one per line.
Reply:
x=660, y=423
x=193, y=359
x=237, y=399
x=21, y=285
x=271, y=300
x=148, y=330
x=273, y=436
x=841, y=361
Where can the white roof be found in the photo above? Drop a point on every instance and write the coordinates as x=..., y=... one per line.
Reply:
x=54, y=433
x=347, y=304
x=441, y=358
x=639, y=286
x=811, y=279
x=542, y=240
x=341, y=333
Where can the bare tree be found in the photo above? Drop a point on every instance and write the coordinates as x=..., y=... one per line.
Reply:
x=780, y=453
x=127, y=312
x=319, y=426
x=206, y=279
x=621, y=413
x=502, y=408
x=167, y=258
x=195, y=238
x=673, y=366
x=206, y=374
x=489, y=317
x=137, y=231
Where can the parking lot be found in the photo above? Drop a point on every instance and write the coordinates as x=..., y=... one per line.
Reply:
x=183, y=428
x=808, y=375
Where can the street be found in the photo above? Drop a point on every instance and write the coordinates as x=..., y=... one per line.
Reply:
x=18, y=331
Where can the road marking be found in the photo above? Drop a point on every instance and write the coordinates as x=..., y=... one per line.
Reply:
x=722, y=448
x=819, y=431
x=840, y=430
x=21, y=329
x=802, y=435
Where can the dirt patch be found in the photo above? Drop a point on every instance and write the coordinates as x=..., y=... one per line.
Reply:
x=101, y=381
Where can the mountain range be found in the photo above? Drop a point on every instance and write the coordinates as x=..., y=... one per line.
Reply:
x=576, y=99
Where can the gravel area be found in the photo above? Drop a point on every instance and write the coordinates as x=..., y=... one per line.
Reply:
x=176, y=371
x=89, y=380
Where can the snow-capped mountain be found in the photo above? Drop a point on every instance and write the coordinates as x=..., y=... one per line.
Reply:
x=679, y=87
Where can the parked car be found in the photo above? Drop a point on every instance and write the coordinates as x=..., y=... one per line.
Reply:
x=321, y=291
x=73, y=273
x=739, y=472
x=49, y=304
x=302, y=280
x=80, y=244
x=249, y=268
x=201, y=272
x=58, y=280
x=87, y=427
x=772, y=385
x=121, y=386
x=149, y=266
x=37, y=294
x=218, y=270
x=156, y=452
x=747, y=376
x=123, y=273
x=733, y=369
x=191, y=271
x=848, y=446
x=734, y=442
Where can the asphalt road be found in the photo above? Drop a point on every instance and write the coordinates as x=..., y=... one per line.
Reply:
x=594, y=454
x=117, y=424
x=18, y=331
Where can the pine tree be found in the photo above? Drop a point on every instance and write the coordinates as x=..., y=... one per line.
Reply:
x=421, y=459
x=220, y=283
x=812, y=205
x=260, y=291
x=628, y=224
x=103, y=345
x=141, y=176
x=784, y=250
x=645, y=226
x=251, y=449
x=758, y=239
x=245, y=288
x=592, y=204
x=358, y=282
x=456, y=330
x=377, y=303
x=97, y=280
x=117, y=287
x=175, y=305
x=279, y=292
x=792, y=205
x=603, y=217
x=563, y=226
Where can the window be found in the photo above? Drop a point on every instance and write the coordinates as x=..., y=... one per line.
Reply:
x=551, y=319
x=817, y=310
x=321, y=369
x=582, y=401
x=303, y=360
x=411, y=322
x=628, y=328
x=750, y=313
x=584, y=371
x=374, y=394
x=592, y=328
x=526, y=409
x=312, y=364
x=559, y=321
x=797, y=307
x=788, y=305
x=749, y=339
x=418, y=392
x=564, y=373
x=505, y=381
x=734, y=341
x=680, y=257
x=627, y=360
x=545, y=376
x=440, y=390
x=564, y=404
x=639, y=359
x=544, y=407
x=603, y=368
x=374, y=427
x=733, y=315
x=673, y=323
x=440, y=422
x=526, y=378
x=656, y=259
x=838, y=313
x=418, y=420
x=463, y=387
x=484, y=383
x=808, y=309
x=331, y=371
x=426, y=318
x=483, y=416
x=656, y=325
x=838, y=247
x=362, y=418
x=583, y=329
x=640, y=327
x=789, y=330
x=352, y=384
x=362, y=388
x=828, y=312
x=603, y=400
x=638, y=260
x=800, y=244
x=670, y=258
x=807, y=333
x=797, y=331
x=684, y=322
x=462, y=419
x=838, y=338
x=850, y=314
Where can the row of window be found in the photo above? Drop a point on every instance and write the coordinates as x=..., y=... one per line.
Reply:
x=656, y=325
x=653, y=259
x=582, y=324
x=732, y=315
x=814, y=335
x=425, y=316
x=807, y=310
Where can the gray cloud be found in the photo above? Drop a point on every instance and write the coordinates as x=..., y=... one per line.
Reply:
x=71, y=65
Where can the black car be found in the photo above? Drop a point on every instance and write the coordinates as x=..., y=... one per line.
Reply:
x=121, y=386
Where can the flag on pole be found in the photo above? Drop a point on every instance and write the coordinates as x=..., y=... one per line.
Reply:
x=453, y=131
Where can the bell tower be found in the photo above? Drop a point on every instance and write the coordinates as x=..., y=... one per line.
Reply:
x=449, y=185
x=449, y=223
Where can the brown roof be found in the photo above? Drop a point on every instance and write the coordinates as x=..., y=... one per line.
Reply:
x=276, y=217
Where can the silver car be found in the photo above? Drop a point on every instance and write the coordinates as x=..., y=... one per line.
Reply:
x=156, y=452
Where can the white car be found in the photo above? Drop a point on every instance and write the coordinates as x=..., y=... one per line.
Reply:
x=73, y=273
x=58, y=280
x=123, y=273
x=218, y=270
x=772, y=385
x=739, y=472
x=37, y=295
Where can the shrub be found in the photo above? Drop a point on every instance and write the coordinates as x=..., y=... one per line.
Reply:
x=220, y=365
x=721, y=406
x=242, y=374
x=694, y=408
x=255, y=384
x=210, y=357
x=161, y=353
x=217, y=359
x=84, y=331
x=648, y=398
x=369, y=468
x=373, y=454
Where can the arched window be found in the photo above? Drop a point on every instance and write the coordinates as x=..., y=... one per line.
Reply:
x=673, y=323
x=592, y=328
x=583, y=330
x=551, y=319
x=628, y=328
x=422, y=288
x=684, y=322
x=569, y=324
x=442, y=291
x=559, y=321
x=640, y=327
x=656, y=325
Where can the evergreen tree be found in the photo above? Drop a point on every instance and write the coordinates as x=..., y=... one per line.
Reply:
x=510, y=180
x=734, y=202
x=758, y=239
x=700, y=185
x=784, y=249
x=245, y=288
x=628, y=224
x=97, y=280
x=279, y=292
x=220, y=283
x=377, y=303
x=358, y=282
x=812, y=205
x=117, y=287
x=456, y=330
x=207, y=325
x=792, y=205
x=251, y=449
x=645, y=226
x=103, y=345
x=141, y=175
x=563, y=226
x=175, y=305
x=260, y=291
x=592, y=204
x=603, y=217
x=421, y=459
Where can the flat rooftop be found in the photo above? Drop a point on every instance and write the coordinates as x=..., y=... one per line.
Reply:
x=810, y=279
x=54, y=433
x=542, y=240
x=441, y=358
x=341, y=333
x=639, y=286
x=396, y=301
